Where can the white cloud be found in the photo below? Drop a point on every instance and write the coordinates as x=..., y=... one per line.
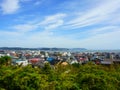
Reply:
x=102, y=30
x=108, y=40
x=102, y=37
x=52, y=18
x=103, y=41
x=25, y=0
x=48, y=24
x=4, y=33
x=102, y=13
x=54, y=25
x=85, y=34
x=10, y=6
x=24, y=27
x=53, y=21
x=37, y=3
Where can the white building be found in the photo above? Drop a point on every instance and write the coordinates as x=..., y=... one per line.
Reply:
x=23, y=62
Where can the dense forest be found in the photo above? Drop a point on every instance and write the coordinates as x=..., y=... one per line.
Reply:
x=69, y=77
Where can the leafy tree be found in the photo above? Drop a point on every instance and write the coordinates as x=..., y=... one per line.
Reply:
x=5, y=60
x=70, y=77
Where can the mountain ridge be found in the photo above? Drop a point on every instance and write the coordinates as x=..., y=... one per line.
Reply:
x=42, y=48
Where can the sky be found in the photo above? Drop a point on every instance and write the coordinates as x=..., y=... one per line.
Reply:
x=91, y=24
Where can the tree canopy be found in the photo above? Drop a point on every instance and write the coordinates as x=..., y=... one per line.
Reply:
x=69, y=77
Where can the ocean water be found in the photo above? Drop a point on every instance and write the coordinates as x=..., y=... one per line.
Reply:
x=86, y=51
x=115, y=51
x=90, y=51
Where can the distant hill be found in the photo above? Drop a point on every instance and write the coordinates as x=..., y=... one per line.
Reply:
x=47, y=49
x=78, y=49
x=16, y=48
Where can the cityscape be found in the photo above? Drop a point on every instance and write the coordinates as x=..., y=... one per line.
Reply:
x=54, y=56
x=59, y=45
x=58, y=68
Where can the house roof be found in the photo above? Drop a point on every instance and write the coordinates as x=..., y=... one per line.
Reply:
x=64, y=63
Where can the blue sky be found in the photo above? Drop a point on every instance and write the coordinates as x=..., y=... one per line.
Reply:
x=91, y=24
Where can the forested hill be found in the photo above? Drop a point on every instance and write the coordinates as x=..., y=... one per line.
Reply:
x=53, y=49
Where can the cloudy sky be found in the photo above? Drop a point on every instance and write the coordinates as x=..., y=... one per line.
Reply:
x=91, y=24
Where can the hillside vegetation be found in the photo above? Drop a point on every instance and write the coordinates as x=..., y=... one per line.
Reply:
x=70, y=77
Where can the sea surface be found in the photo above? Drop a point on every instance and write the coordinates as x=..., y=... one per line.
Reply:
x=90, y=51
x=86, y=51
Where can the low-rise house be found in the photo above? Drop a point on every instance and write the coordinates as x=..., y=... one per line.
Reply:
x=23, y=62
x=106, y=62
x=74, y=61
x=35, y=60
x=2, y=53
x=20, y=62
x=64, y=63
x=81, y=59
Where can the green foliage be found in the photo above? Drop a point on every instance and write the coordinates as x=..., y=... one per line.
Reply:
x=5, y=60
x=70, y=77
